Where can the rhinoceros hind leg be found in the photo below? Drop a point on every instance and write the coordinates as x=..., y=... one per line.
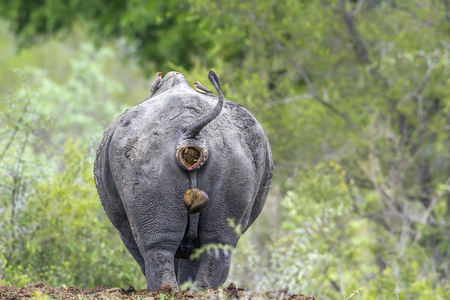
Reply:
x=187, y=270
x=214, y=268
x=134, y=250
x=160, y=269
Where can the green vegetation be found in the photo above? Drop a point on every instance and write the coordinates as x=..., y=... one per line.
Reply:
x=53, y=224
x=354, y=97
x=165, y=297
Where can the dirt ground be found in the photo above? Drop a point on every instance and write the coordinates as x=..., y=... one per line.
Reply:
x=43, y=291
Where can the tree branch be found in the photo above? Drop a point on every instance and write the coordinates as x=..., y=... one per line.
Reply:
x=428, y=211
x=447, y=9
x=18, y=123
x=299, y=69
x=358, y=7
x=359, y=46
x=420, y=86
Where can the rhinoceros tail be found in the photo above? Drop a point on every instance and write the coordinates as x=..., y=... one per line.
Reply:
x=192, y=129
x=192, y=151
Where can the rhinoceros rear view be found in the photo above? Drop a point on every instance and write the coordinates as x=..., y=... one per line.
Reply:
x=172, y=171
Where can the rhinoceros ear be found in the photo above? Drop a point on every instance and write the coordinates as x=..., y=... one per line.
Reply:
x=213, y=78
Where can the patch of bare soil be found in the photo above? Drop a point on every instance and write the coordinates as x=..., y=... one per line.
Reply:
x=42, y=290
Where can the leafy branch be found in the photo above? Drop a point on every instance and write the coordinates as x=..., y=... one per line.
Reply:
x=297, y=66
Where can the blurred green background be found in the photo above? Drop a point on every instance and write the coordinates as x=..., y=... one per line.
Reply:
x=354, y=96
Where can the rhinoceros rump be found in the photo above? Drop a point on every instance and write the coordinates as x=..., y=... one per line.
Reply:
x=172, y=172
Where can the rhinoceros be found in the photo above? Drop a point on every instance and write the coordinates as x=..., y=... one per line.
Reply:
x=174, y=171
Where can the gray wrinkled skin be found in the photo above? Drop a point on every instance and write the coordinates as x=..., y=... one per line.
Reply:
x=141, y=186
